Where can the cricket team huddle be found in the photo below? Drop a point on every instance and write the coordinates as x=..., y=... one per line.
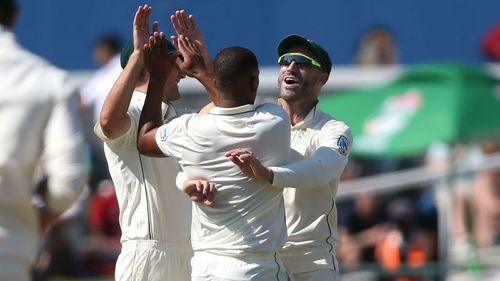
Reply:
x=234, y=190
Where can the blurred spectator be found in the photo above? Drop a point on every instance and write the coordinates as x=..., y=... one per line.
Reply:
x=474, y=250
x=377, y=47
x=41, y=127
x=106, y=48
x=486, y=201
x=102, y=246
x=490, y=44
x=107, y=56
x=361, y=220
x=364, y=210
x=94, y=92
x=404, y=243
x=350, y=252
x=365, y=223
x=380, y=244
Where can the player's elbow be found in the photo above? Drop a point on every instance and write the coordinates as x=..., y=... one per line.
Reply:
x=141, y=144
x=107, y=124
x=144, y=144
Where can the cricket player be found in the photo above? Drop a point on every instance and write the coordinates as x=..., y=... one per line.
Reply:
x=238, y=236
x=155, y=217
x=41, y=127
x=320, y=147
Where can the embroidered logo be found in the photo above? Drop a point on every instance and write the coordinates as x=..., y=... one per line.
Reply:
x=343, y=145
x=163, y=133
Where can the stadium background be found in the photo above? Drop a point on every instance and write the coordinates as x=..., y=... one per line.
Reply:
x=426, y=30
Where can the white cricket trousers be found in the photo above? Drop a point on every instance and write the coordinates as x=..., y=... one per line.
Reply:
x=150, y=260
x=210, y=267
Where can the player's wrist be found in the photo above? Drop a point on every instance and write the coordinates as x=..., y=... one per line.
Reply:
x=137, y=57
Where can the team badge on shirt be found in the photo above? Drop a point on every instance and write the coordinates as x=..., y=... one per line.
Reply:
x=343, y=145
x=163, y=133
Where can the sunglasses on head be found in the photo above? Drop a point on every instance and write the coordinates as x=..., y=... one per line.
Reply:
x=300, y=60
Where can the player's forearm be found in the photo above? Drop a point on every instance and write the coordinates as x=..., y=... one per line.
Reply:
x=113, y=118
x=151, y=116
x=323, y=167
x=151, y=112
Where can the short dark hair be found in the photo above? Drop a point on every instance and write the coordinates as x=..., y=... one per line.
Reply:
x=110, y=41
x=233, y=66
x=7, y=11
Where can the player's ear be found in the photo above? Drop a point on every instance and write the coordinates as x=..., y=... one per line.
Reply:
x=323, y=78
x=254, y=82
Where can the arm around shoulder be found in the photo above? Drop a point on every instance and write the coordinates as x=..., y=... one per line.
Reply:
x=327, y=163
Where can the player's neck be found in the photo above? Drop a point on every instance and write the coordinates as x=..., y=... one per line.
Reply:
x=225, y=103
x=297, y=110
x=230, y=99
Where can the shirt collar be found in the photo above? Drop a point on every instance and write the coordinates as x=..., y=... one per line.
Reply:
x=232, y=110
x=310, y=116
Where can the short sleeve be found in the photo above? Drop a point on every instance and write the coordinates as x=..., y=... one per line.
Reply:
x=127, y=139
x=173, y=136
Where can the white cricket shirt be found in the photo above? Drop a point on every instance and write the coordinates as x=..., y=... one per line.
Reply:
x=151, y=206
x=320, y=148
x=40, y=126
x=248, y=214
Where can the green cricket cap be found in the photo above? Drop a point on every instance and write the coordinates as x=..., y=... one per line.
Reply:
x=128, y=48
x=297, y=40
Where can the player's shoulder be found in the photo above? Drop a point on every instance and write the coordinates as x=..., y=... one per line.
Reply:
x=43, y=66
x=331, y=121
x=184, y=110
x=50, y=78
x=188, y=120
x=273, y=109
x=37, y=73
x=333, y=126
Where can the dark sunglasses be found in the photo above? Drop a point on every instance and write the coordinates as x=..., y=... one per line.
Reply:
x=300, y=60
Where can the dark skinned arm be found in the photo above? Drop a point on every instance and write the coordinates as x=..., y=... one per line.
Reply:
x=158, y=62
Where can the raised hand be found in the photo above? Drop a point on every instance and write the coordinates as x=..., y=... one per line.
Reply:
x=141, y=27
x=157, y=60
x=200, y=191
x=193, y=62
x=249, y=164
x=186, y=25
